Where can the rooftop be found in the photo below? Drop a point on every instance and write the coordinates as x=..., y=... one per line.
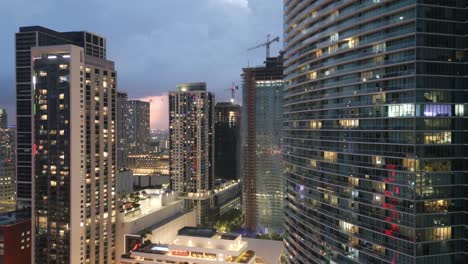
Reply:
x=197, y=232
x=186, y=87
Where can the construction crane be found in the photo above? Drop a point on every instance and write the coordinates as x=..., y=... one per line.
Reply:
x=266, y=44
x=233, y=89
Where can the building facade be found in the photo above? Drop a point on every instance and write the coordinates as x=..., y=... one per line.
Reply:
x=26, y=38
x=191, y=132
x=262, y=117
x=375, y=139
x=227, y=140
x=7, y=181
x=122, y=130
x=74, y=156
x=138, y=127
x=15, y=237
x=3, y=118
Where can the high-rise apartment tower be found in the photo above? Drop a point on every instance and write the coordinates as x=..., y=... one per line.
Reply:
x=122, y=130
x=191, y=156
x=376, y=131
x=26, y=38
x=74, y=149
x=138, y=133
x=227, y=140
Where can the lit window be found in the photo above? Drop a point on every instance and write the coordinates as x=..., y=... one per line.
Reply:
x=334, y=37
x=330, y=156
x=43, y=117
x=378, y=160
x=349, y=123
x=315, y=124
x=313, y=75
x=353, y=42
x=401, y=110
x=437, y=110
x=63, y=66
x=441, y=233
x=459, y=110
x=63, y=78
x=61, y=96
x=444, y=137
x=313, y=163
x=42, y=73
x=345, y=226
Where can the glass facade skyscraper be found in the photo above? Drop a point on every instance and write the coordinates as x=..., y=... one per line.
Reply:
x=262, y=117
x=227, y=140
x=375, y=131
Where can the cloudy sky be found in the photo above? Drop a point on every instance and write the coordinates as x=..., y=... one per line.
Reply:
x=154, y=43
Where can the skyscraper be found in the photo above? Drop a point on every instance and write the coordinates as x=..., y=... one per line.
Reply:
x=138, y=127
x=122, y=130
x=3, y=118
x=74, y=155
x=191, y=158
x=227, y=140
x=375, y=140
x=262, y=117
x=36, y=36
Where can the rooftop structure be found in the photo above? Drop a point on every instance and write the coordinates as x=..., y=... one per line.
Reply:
x=196, y=245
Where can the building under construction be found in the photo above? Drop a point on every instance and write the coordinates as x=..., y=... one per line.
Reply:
x=262, y=112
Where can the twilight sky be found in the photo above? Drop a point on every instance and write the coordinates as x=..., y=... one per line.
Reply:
x=154, y=43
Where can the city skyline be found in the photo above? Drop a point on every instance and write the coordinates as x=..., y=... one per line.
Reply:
x=164, y=43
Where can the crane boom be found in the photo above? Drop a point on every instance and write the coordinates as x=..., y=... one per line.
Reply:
x=266, y=44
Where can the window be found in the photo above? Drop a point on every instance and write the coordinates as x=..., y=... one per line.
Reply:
x=334, y=37
x=444, y=137
x=459, y=110
x=63, y=78
x=345, y=226
x=378, y=160
x=313, y=75
x=334, y=14
x=330, y=156
x=349, y=123
x=378, y=48
x=401, y=110
x=353, y=42
x=437, y=110
x=313, y=163
x=315, y=124
x=436, y=206
x=63, y=66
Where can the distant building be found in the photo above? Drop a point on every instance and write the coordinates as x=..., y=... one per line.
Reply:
x=138, y=127
x=15, y=238
x=7, y=143
x=227, y=140
x=122, y=129
x=74, y=155
x=7, y=181
x=191, y=159
x=262, y=117
x=3, y=118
